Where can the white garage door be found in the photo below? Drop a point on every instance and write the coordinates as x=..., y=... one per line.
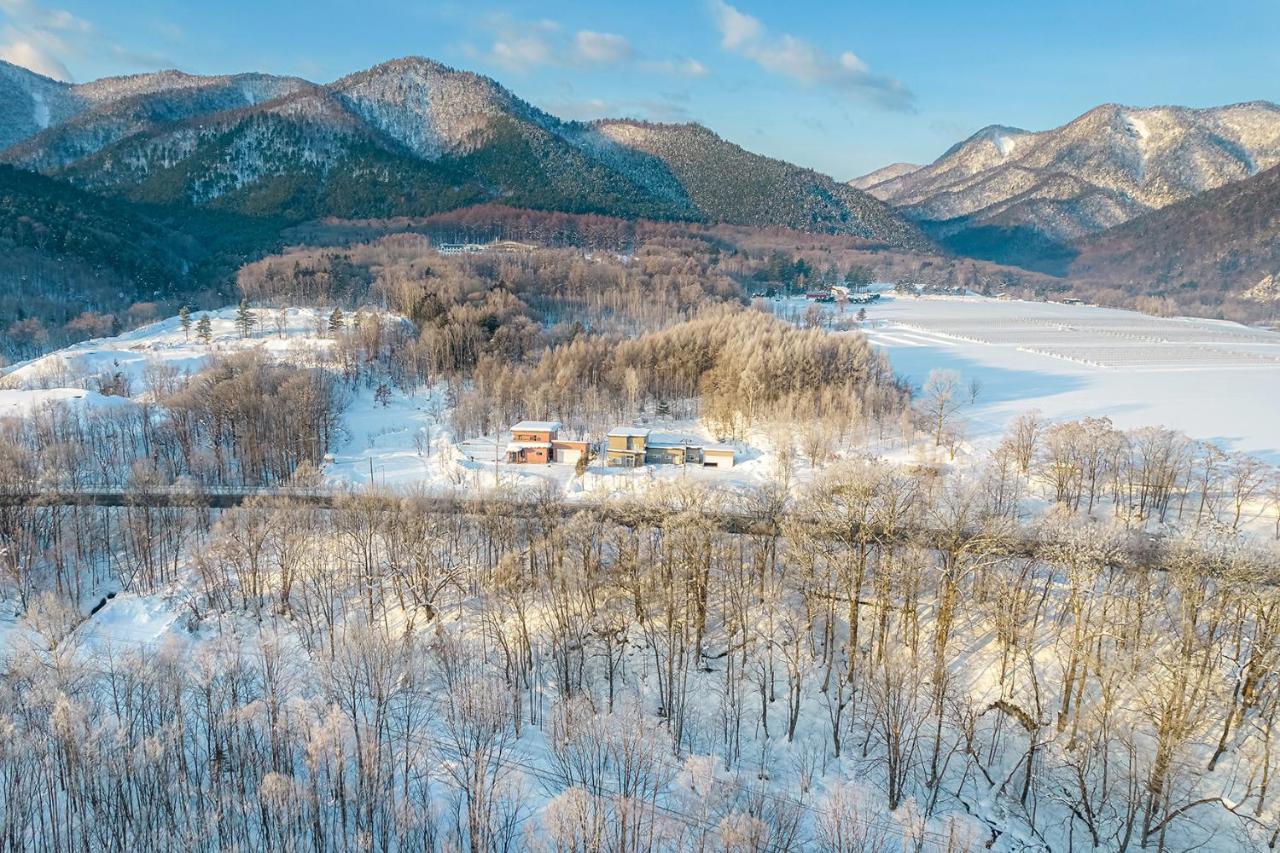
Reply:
x=568, y=455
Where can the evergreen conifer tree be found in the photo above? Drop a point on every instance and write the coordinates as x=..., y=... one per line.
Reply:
x=244, y=319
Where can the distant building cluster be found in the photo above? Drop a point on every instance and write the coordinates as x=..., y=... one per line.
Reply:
x=502, y=246
x=840, y=293
x=538, y=442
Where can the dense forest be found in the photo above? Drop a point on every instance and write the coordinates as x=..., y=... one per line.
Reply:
x=77, y=265
x=881, y=665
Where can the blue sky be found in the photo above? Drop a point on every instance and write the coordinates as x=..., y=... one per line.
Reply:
x=843, y=87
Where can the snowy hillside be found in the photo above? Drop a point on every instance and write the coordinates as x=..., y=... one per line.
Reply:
x=296, y=334
x=1143, y=158
x=852, y=640
x=400, y=438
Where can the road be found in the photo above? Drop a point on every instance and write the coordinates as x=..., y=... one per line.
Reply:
x=1142, y=549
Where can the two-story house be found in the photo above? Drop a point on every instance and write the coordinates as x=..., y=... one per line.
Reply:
x=538, y=442
x=531, y=442
x=626, y=447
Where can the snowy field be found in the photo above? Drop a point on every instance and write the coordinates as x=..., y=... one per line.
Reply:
x=299, y=333
x=1212, y=380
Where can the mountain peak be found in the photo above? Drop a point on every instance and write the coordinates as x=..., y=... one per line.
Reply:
x=427, y=106
x=1003, y=138
x=1096, y=171
x=413, y=62
x=412, y=136
x=885, y=173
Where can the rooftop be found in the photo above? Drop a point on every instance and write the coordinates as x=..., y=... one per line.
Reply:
x=635, y=432
x=536, y=426
x=661, y=440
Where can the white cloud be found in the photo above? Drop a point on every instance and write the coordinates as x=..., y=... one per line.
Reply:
x=678, y=67
x=736, y=28
x=799, y=59
x=522, y=46
x=23, y=13
x=40, y=40
x=33, y=58
x=46, y=40
x=601, y=48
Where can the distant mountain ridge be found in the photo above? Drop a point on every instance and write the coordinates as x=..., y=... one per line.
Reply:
x=1005, y=192
x=407, y=137
x=748, y=189
x=884, y=173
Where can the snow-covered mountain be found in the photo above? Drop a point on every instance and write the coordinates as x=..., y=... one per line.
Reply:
x=884, y=173
x=109, y=110
x=1103, y=168
x=30, y=102
x=414, y=137
x=1224, y=243
x=61, y=122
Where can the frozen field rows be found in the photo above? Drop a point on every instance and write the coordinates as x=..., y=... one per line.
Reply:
x=1211, y=379
x=1149, y=342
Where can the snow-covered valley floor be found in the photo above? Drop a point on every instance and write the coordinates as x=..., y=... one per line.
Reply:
x=1212, y=380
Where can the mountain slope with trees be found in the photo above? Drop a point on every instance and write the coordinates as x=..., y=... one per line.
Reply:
x=69, y=256
x=412, y=137
x=1219, y=247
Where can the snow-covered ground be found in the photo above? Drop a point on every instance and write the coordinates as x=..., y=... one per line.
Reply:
x=1210, y=379
x=403, y=442
x=407, y=444
x=297, y=332
x=1025, y=354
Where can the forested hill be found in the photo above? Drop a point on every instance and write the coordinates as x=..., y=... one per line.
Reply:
x=412, y=137
x=52, y=217
x=1222, y=245
x=64, y=251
